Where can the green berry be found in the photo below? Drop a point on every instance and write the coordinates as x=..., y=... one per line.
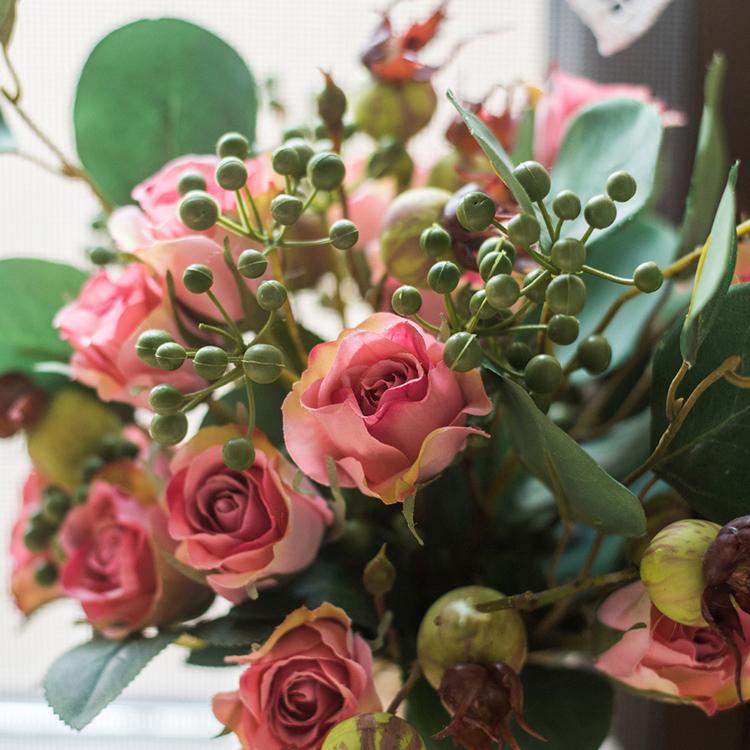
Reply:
x=252, y=264
x=165, y=399
x=326, y=170
x=534, y=178
x=563, y=329
x=537, y=292
x=168, y=429
x=210, y=362
x=190, y=180
x=443, y=277
x=621, y=186
x=600, y=212
x=523, y=230
x=648, y=277
x=568, y=254
x=406, y=300
x=198, y=211
x=518, y=355
x=595, y=354
x=46, y=573
x=567, y=205
x=496, y=245
x=493, y=264
x=81, y=494
x=271, y=295
x=462, y=352
x=198, y=278
x=543, y=374
x=100, y=256
x=233, y=144
x=170, y=356
x=344, y=234
x=35, y=539
x=543, y=401
x=502, y=291
x=128, y=449
x=566, y=294
x=285, y=160
x=296, y=132
x=435, y=241
x=55, y=504
x=304, y=153
x=475, y=211
x=148, y=342
x=91, y=467
x=480, y=307
x=286, y=209
x=238, y=454
x=263, y=363
x=231, y=173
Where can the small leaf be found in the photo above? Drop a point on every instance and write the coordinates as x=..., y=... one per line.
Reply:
x=408, y=511
x=524, y=146
x=7, y=21
x=212, y=656
x=83, y=681
x=7, y=142
x=714, y=274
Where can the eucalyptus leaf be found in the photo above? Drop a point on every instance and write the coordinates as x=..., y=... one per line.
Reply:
x=7, y=21
x=7, y=141
x=714, y=274
x=154, y=90
x=85, y=680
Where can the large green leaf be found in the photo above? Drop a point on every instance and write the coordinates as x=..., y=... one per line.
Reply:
x=154, y=90
x=714, y=274
x=583, y=490
x=84, y=681
x=711, y=160
x=604, y=138
x=707, y=462
x=7, y=20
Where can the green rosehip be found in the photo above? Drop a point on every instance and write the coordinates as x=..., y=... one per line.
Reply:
x=494, y=264
x=566, y=205
x=55, y=504
x=475, y=211
x=210, y=362
x=518, y=355
x=523, y=230
x=198, y=278
x=231, y=173
x=568, y=254
x=233, y=144
x=101, y=256
x=621, y=186
x=148, y=342
x=378, y=731
x=170, y=356
x=566, y=294
x=189, y=180
x=198, y=210
x=165, y=399
x=462, y=352
x=263, y=363
x=543, y=374
x=252, y=264
x=286, y=209
x=534, y=179
x=594, y=354
x=326, y=170
x=502, y=291
x=600, y=212
x=344, y=234
x=46, y=573
x=648, y=277
x=406, y=300
x=435, y=241
x=238, y=454
x=479, y=306
x=563, y=329
x=168, y=429
x=535, y=293
x=271, y=295
x=443, y=277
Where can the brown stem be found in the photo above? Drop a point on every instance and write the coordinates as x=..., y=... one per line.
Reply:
x=562, y=545
x=415, y=672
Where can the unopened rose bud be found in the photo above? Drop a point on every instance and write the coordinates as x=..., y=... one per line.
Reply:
x=331, y=104
x=379, y=574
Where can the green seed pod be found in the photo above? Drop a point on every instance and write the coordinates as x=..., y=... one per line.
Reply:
x=537, y=292
x=101, y=256
x=91, y=466
x=443, y=277
x=543, y=374
x=567, y=205
x=46, y=573
x=326, y=170
x=523, y=230
x=81, y=494
x=379, y=731
x=170, y=356
x=518, y=355
x=210, y=362
x=406, y=300
x=271, y=295
x=238, y=454
x=475, y=211
x=55, y=505
x=454, y=631
x=189, y=180
x=231, y=173
x=344, y=234
x=600, y=211
x=462, y=352
x=495, y=245
x=148, y=342
x=566, y=294
x=648, y=277
x=263, y=363
x=494, y=264
x=502, y=291
x=285, y=160
x=168, y=429
x=252, y=264
x=435, y=241
x=297, y=132
x=621, y=186
x=392, y=159
x=594, y=354
x=480, y=307
x=304, y=153
x=379, y=574
x=198, y=211
x=534, y=179
x=286, y=209
x=165, y=399
x=41, y=525
x=563, y=329
x=35, y=539
x=568, y=255
x=233, y=144
x=198, y=278
x=672, y=569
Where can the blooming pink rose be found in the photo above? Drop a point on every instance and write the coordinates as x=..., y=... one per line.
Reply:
x=243, y=526
x=569, y=94
x=312, y=673
x=383, y=405
x=688, y=664
x=27, y=593
x=103, y=325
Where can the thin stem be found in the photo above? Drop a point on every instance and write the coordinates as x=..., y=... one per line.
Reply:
x=414, y=674
x=236, y=333
x=13, y=74
x=547, y=219
x=250, y=407
x=452, y=313
x=558, y=228
x=215, y=329
x=508, y=322
x=671, y=404
x=243, y=213
x=266, y=327
x=541, y=260
x=541, y=278
x=526, y=327
x=646, y=487
x=291, y=322
x=500, y=226
x=304, y=243
x=586, y=235
x=427, y=326
x=560, y=547
x=233, y=227
x=608, y=276
x=31, y=158
x=544, y=318
x=254, y=208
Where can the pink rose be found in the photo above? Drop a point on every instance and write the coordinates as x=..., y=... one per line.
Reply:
x=383, y=405
x=688, y=664
x=103, y=325
x=114, y=568
x=27, y=593
x=569, y=94
x=312, y=673
x=243, y=526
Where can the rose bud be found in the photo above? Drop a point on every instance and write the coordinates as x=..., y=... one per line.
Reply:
x=380, y=731
x=21, y=403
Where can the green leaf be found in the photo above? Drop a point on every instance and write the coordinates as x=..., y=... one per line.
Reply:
x=83, y=681
x=33, y=292
x=154, y=90
x=714, y=274
x=711, y=160
x=524, y=146
x=583, y=490
x=212, y=656
x=601, y=139
x=7, y=21
x=707, y=462
x=426, y=714
x=7, y=142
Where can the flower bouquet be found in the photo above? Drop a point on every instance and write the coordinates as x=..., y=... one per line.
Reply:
x=324, y=411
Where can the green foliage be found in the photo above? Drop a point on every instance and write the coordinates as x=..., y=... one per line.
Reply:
x=524, y=146
x=7, y=21
x=154, y=90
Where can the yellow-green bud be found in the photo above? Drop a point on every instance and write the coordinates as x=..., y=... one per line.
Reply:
x=380, y=731
x=379, y=574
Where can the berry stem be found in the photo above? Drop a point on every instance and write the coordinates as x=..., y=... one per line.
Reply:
x=547, y=219
x=608, y=276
